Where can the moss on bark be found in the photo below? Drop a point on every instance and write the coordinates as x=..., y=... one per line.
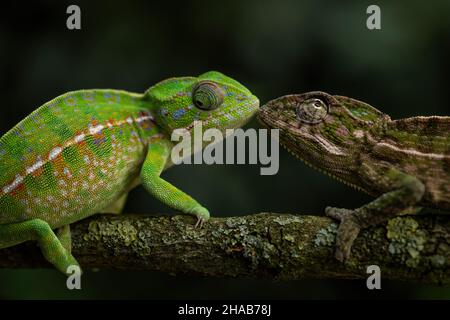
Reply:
x=265, y=245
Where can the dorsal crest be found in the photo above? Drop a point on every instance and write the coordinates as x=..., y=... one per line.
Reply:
x=424, y=126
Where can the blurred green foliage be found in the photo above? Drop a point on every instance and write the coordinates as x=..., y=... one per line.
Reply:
x=272, y=47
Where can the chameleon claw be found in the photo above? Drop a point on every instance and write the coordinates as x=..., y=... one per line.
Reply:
x=202, y=215
x=199, y=223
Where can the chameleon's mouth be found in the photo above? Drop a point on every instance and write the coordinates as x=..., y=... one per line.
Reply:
x=268, y=118
x=255, y=103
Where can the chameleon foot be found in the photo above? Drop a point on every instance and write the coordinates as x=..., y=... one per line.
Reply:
x=202, y=215
x=337, y=213
x=348, y=230
x=200, y=222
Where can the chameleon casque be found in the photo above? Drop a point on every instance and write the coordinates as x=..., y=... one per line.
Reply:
x=404, y=163
x=81, y=153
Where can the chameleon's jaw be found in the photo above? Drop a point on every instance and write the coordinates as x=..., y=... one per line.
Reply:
x=277, y=114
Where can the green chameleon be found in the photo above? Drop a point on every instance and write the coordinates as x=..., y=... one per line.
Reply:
x=82, y=152
x=405, y=163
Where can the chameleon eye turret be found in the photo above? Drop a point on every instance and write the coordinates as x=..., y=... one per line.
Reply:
x=312, y=111
x=206, y=95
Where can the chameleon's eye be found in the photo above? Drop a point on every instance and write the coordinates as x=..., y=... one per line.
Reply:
x=312, y=111
x=207, y=95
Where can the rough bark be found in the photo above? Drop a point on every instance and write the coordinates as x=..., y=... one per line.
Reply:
x=265, y=245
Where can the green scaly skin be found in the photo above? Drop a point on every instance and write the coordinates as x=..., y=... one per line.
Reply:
x=82, y=152
x=404, y=163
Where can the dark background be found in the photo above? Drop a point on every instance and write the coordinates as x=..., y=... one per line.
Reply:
x=272, y=47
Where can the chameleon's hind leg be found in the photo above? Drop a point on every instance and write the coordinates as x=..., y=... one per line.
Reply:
x=39, y=230
x=407, y=192
x=65, y=237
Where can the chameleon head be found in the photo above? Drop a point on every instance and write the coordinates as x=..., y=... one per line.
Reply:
x=327, y=132
x=214, y=99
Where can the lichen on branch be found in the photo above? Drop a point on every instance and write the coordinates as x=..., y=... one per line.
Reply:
x=264, y=245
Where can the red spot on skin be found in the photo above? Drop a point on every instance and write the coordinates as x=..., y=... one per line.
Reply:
x=82, y=143
x=38, y=172
x=59, y=165
x=329, y=120
x=146, y=123
x=99, y=137
x=84, y=150
x=342, y=132
x=20, y=188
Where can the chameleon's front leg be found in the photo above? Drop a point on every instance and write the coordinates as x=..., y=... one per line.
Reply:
x=158, y=153
x=407, y=192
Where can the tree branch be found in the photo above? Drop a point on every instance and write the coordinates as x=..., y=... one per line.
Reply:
x=265, y=245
